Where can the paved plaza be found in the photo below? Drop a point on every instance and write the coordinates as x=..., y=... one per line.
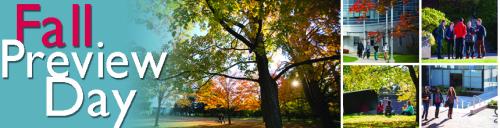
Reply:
x=461, y=119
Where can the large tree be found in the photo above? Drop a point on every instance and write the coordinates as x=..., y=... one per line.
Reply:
x=213, y=37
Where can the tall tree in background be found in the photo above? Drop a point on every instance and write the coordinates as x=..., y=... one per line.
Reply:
x=229, y=94
x=213, y=37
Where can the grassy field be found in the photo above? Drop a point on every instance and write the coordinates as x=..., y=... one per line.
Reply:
x=397, y=58
x=349, y=59
x=207, y=122
x=406, y=58
x=488, y=60
x=357, y=121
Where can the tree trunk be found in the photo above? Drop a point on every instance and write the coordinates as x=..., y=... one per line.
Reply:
x=229, y=116
x=160, y=98
x=414, y=78
x=318, y=103
x=268, y=91
x=288, y=116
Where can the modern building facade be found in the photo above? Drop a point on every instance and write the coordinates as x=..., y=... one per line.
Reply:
x=474, y=77
x=355, y=30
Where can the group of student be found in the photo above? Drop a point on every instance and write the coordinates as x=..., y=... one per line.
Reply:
x=407, y=108
x=365, y=48
x=461, y=38
x=437, y=99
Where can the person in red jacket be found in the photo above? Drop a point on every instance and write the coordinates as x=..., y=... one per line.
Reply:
x=460, y=32
x=380, y=107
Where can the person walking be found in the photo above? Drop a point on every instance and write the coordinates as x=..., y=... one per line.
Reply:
x=437, y=99
x=452, y=96
x=439, y=34
x=375, y=48
x=360, y=50
x=460, y=32
x=481, y=34
x=425, y=100
x=220, y=118
x=386, y=50
x=367, y=49
x=469, y=41
x=450, y=38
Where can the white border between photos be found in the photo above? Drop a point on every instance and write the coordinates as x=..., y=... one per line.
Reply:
x=419, y=64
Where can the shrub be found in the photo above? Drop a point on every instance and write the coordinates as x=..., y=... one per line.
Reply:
x=492, y=104
x=431, y=19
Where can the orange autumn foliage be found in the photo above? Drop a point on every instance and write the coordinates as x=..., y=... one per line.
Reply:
x=228, y=93
x=363, y=7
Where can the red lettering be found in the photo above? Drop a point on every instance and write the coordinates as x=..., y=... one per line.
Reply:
x=21, y=24
x=57, y=32
x=88, y=25
x=76, y=25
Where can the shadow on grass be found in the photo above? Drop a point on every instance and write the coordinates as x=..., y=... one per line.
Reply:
x=351, y=121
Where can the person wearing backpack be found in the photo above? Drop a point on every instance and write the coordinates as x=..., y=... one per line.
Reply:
x=469, y=41
x=481, y=34
x=439, y=34
x=367, y=49
x=450, y=38
x=437, y=97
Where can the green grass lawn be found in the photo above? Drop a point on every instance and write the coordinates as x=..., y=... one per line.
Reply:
x=487, y=60
x=349, y=59
x=406, y=58
x=351, y=121
x=397, y=58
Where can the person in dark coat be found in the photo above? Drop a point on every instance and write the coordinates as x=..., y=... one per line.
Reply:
x=437, y=99
x=360, y=50
x=481, y=34
x=388, y=109
x=439, y=34
x=469, y=41
x=450, y=38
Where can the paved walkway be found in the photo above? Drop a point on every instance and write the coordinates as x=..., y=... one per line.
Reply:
x=468, y=102
x=461, y=119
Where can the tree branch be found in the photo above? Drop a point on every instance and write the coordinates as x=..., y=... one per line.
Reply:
x=285, y=69
x=232, y=77
x=238, y=63
x=230, y=48
x=228, y=28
